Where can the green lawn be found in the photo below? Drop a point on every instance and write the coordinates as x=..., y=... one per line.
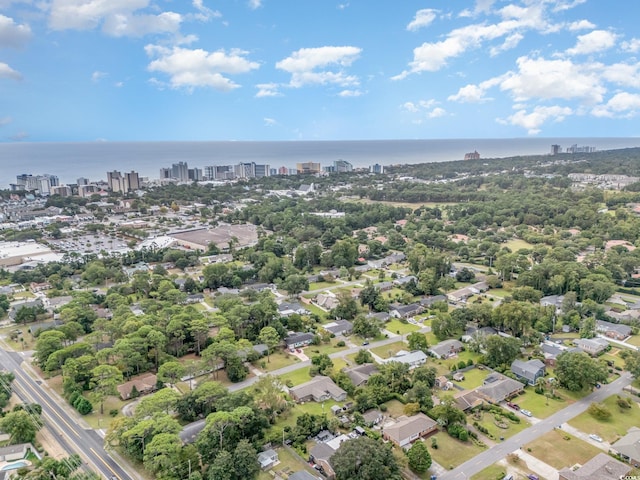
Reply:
x=613, y=355
x=493, y=472
x=540, y=405
x=516, y=244
x=444, y=366
x=95, y=420
x=613, y=428
x=634, y=340
x=395, y=408
x=339, y=364
x=321, y=285
x=297, y=376
x=315, y=309
x=396, y=326
x=290, y=417
x=387, y=351
x=452, y=452
x=393, y=293
x=561, y=450
x=327, y=348
x=277, y=360
x=473, y=378
x=488, y=421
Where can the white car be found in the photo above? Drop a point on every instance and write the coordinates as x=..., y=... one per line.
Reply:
x=595, y=437
x=526, y=412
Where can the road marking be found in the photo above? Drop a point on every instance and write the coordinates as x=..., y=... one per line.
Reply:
x=42, y=398
x=105, y=463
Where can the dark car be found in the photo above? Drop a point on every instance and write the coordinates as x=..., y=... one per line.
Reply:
x=515, y=406
x=365, y=343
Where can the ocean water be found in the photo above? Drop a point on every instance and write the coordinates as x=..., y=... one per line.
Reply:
x=92, y=160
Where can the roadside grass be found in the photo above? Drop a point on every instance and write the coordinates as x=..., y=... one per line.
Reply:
x=327, y=348
x=95, y=420
x=317, y=310
x=221, y=376
x=396, y=326
x=499, y=292
x=297, y=376
x=339, y=364
x=452, y=452
x=634, y=340
x=492, y=472
x=541, y=406
x=322, y=285
x=473, y=378
x=388, y=351
x=29, y=341
x=614, y=427
x=560, y=450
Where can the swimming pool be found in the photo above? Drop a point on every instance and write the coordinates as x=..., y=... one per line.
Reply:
x=14, y=465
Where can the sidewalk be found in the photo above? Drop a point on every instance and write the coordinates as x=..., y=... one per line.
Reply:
x=605, y=446
x=544, y=470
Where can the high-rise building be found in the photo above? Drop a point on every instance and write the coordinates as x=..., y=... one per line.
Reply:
x=308, y=167
x=180, y=171
x=62, y=190
x=195, y=174
x=342, y=166
x=283, y=171
x=82, y=181
x=556, y=149
x=245, y=170
x=132, y=181
x=39, y=183
x=117, y=183
x=165, y=173
x=261, y=171
x=376, y=168
x=223, y=172
x=209, y=172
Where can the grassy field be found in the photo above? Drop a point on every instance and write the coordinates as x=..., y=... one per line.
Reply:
x=297, y=376
x=493, y=472
x=277, y=360
x=396, y=326
x=317, y=310
x=488, y=421
x=387, y=351
x=323, y=285
x=444, y=366
x=561, y=450
x=327, y=348
x=451, y=452
x=613, y=428
x=395, y=408
x=613, y=355
x=634, y=340
x=516, y=244
x=541, y=406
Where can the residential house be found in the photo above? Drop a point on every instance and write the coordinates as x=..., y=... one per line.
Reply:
x=409, y=429
x=628, y=447
x=15, y=452
x=427, y=302
x=39, y=287
x=443, y=383
x=298, y=339
x=496, y=388
x=552, y=301
x=592, y=346
x=406, y=311
x=394, y=258
x=17, y=306
x=382, y=317
x=326, y=301
x=286, y=309
x=550, y=352
x=339, y=327
x=613, y=330
x=318, y=389
x=194, y=298
x=383, y=286
x=467, y=400
x=372, y=417
x=446, y=348
x=360, y=374
x=529, y=371
x=473, y=331
x=376, y=264
x=268, y=459
x=458, y=376
x=600, y=467
x=145, y=383
x=322, y=452
x=402, y=281
x=414, y=358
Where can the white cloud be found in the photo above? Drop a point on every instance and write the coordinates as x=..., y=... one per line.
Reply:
x=13, y=34
x=88, y=14
x=622, y=104
x=548, y=79
x=410, y=107
x=307, y=66
x=624, y=74
x=255, y=4
x=123, y=25
x=437, y=112
x=561, y=6
x=204, y=13
x=7, y=72
x=18, y=137
x=632, y=46
x=350, y=93
x=592, y=42
x=423, y=18
x=5, y=121
x=532, y=121
x=97, y=76
x=269, y=122
x=118, y=84
x=343, y=6
x=188, y=68
x=581, y=25
x=509, y=43
x=268, y=90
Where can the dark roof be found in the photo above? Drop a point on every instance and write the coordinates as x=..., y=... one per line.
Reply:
x=528, y=369
x=298, y=337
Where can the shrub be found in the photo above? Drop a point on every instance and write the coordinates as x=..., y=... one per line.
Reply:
x=599, y=411
x=623, y=402
x=383, y=408
x=434, y=443
x=462, y=364
x=340, y=343
x=114, y=412
x=470, y=362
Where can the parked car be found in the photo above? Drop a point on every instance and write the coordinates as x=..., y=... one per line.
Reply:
x=365, y=343
x=299, y=350
x=532, y=476
x=598, y=385
x=515, y=406
x=595, y=437
x=526, y=412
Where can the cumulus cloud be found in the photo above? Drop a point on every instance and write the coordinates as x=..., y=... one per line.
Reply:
x=623, y=104
x=204, y=13
x=595, y=41
x=12, y=34
x=581, y=25
x=426, y=108
x=437, y=112
x=475, y=93
x=548, y=79
x=5, y=121
x=562, y=5
x=7, y=72
x=423, y=18
x=509, y=43
x=269, y=122
x=123, y=25
x=190, y=68
x=255, y=4
x=310, y=66
x=532, y=121
x=350, y=93
x=632, y=46
x=268, y=90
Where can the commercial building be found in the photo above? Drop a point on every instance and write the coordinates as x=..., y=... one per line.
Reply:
x=308, y=167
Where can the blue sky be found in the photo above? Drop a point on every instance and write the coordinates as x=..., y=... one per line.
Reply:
x=127, y=70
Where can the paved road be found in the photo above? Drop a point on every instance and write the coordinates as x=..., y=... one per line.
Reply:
x=501, y=450
x=73, y=438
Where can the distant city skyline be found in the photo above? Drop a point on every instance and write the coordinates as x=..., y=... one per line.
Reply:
x=149, y=70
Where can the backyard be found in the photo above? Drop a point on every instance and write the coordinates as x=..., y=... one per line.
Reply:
x=473, y=378
x=387, y=351
x=561, y=450
x=289, y=463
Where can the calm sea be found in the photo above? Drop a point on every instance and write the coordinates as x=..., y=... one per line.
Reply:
x=92, y=160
